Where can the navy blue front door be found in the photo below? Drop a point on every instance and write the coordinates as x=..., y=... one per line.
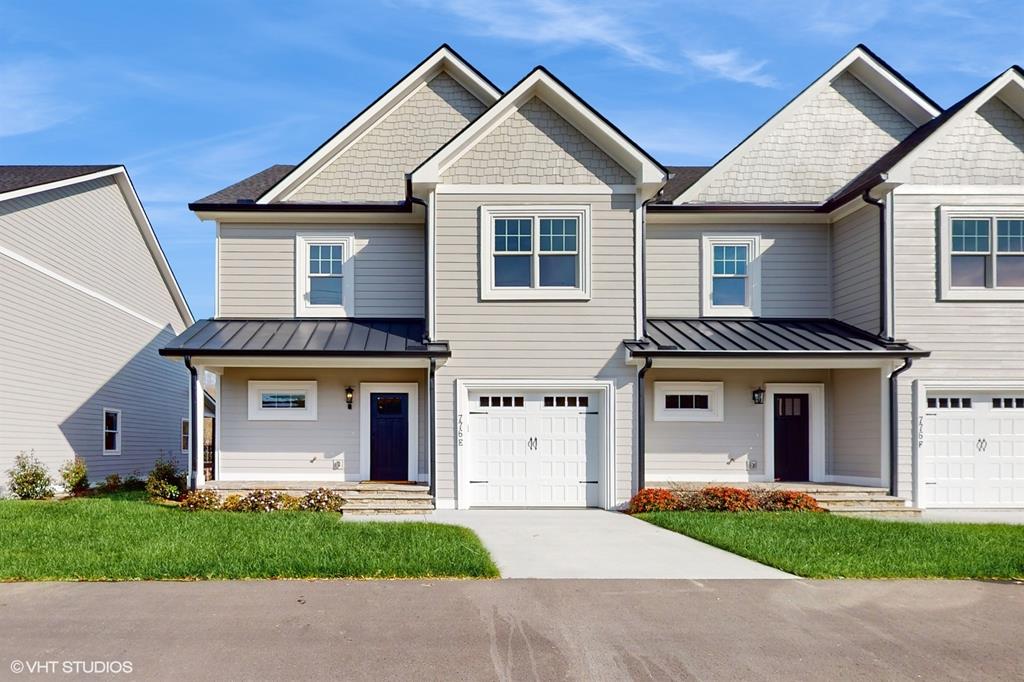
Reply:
x=389, y=436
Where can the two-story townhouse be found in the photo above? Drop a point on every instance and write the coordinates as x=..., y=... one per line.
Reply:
x=503, y=297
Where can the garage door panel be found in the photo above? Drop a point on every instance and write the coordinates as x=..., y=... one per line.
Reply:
x=973, y=454
x=543, y=450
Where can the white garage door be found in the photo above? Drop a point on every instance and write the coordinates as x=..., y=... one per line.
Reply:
x=973, y=450
x=534, y=449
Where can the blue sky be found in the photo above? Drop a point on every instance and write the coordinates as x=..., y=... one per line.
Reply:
x=194, y=96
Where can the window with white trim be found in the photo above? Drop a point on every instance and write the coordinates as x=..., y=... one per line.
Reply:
x=282, y=400
x=981, y=254
x=111, y=432
x=186, y=436
x=689, y=401
x=325, y=278
x=535, y=252
x=731, y=276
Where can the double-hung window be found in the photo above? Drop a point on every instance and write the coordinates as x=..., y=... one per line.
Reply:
x=981, y=254
x=186, y=435
x=111, y=432
x=731, y=276
x=535, y=253
x=324, y=275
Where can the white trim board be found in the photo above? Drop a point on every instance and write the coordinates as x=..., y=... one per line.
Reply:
x=534, y=189
x=816, y=404
x=462, y=449
x=410, y=389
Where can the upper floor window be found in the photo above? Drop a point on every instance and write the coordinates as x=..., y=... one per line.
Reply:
x=981, y=254
x=731, y=276
x=535, y=252
x=325, y=282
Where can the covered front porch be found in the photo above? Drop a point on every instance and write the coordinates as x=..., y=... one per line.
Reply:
x=753, y=401
x=308, y=403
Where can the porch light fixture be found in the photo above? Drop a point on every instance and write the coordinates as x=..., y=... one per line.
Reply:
x=758, y=396
x=349, y=395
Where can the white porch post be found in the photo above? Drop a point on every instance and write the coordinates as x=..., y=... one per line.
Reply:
x=195, y=425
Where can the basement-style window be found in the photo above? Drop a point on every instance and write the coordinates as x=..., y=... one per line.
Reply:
x=325, y=278
x=535, y=252
x=731, y=278
x=981, y=254
x=282, y=400
x=692, y=401
x=111, y=432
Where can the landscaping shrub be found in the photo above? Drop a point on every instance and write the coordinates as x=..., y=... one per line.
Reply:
x=261, y=501
x=720, y=498
x=290, y=502
x=232, y=503
x=75, y=476
x=201, y=500
x=653, y=500
x=785, y=500
x=111, y=484
x=165, y=480
x=321, y=499
x=28, y=479
x=133, y=483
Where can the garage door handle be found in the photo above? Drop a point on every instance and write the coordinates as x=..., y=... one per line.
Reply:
x=479, y=481
x=589, y=482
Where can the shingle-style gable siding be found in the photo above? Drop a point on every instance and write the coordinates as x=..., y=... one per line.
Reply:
x=815, y=151
x=374, y=168
x=536, y=146
x=986, y=148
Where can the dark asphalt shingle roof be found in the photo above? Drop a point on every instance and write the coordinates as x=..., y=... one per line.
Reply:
x=324, y=337
x=763, y=337
x=19, y=177
x=249, y=189
x=682, y=179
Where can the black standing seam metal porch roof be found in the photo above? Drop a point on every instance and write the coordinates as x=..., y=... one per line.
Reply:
x=762, y=337
x=304, y=337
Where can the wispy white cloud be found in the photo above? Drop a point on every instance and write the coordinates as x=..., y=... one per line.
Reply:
x=29, y=100
x=567, y=24
x=731, y=65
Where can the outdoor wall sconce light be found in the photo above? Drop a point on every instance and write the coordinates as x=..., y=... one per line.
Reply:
x=349, y=394
x=758, y=396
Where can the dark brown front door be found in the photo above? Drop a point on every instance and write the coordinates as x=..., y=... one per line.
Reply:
x=389, y=436
x=792, y=437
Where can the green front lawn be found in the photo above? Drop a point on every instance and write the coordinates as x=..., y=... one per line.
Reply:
x=830, y=546
x=124, y=537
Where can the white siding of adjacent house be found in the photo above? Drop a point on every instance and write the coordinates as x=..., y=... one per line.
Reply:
x=304, y=450
x=535, y=339
x=856, y=267
x=257, y=269
x=65, y=353
x=794, y=268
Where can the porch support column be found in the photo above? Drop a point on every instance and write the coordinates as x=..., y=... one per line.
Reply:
x=196, y=413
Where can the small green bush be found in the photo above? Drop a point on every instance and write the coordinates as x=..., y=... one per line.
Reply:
x=232, y=503
x=290, y=503
x=75, y=476
x=200, y=500
x=321, y=499
x=133, y=483
x=111, y=484
x=165, y=481
x=28, y=479
x=262, y=501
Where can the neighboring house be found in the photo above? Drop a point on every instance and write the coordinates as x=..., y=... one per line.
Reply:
x=87, y=301
x=501, y=295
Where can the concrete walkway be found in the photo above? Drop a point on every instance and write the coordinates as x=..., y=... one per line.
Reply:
x=591, y=543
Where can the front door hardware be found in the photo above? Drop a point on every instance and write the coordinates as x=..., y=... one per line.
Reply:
x=982, y=445
x=531, y=443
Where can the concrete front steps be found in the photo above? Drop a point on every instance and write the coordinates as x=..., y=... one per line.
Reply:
x=837, y=498
x=361, y=498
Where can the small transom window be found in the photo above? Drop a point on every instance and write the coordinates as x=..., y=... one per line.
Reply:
x=282, y=400
x=535, y=253
x=687, y=401
x=694, y=401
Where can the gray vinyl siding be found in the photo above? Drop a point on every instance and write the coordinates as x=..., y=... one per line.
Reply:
x=794, y=268
x=857, y=424
x=257, y=269
x=66, y=354
x=968, y=340
x=263, y=450
x=856, y=268
x=535, y=339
